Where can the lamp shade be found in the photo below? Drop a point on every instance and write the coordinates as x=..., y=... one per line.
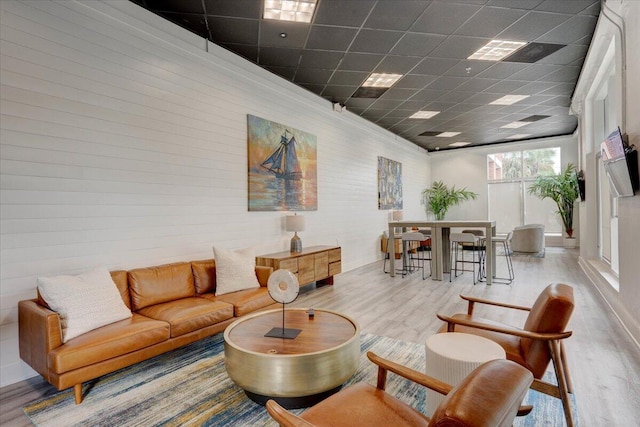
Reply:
x=294, y=223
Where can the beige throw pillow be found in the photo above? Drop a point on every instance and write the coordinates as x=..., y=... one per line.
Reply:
x=84, y=302
x=235, y=270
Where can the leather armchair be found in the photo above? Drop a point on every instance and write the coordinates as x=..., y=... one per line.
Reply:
x=488, y=397
x=533, y=346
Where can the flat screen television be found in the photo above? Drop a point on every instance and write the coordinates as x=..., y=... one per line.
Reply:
x=621, y=164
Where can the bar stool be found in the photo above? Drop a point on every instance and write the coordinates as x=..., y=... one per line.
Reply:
x=410, y=245
x=506, y=241
x=473, y=243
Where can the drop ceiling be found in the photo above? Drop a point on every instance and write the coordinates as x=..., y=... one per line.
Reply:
x=428, y=42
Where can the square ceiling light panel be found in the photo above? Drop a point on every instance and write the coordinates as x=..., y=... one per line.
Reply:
x=381, y=80
x=424, y=114
x=508, y=99
x=458, y=144
x=447, y=134
x=289, y=10
x=496, y=50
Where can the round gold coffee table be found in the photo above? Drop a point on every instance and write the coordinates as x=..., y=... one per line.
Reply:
x=295, y=372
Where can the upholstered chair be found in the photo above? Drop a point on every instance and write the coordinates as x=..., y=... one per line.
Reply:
x=488, y=397
x=533, y=346
x=528, y=238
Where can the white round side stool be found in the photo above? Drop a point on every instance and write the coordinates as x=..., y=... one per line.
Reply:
x=451, y=356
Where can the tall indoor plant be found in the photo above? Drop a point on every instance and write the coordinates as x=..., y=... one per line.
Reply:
x=562, y=189
x=439, y=198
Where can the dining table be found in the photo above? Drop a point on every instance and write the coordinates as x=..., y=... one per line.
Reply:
x=440, y=244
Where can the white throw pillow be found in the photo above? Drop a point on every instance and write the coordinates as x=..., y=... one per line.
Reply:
x=235, y=270
x=84, y=302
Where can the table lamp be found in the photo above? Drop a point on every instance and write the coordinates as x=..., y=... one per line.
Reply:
x=295, y=223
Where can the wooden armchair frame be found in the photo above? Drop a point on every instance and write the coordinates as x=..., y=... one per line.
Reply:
x=554, y=341
x=288, y=419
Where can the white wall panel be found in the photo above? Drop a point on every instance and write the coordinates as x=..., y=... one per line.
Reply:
x=123, y=143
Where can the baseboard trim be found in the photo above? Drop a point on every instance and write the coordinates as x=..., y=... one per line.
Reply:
x=611, y=297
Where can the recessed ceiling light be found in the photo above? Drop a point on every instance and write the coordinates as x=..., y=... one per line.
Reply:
x=508, y=99
x=515, y=125
x=459, y=144
x=424, y=114
x=447, y=134
x=519, y=136
x=381, y=80
x=289, y=10
x=496, y=50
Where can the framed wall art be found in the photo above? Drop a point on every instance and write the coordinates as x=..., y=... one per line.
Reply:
x=389, y=184
x=282, y=167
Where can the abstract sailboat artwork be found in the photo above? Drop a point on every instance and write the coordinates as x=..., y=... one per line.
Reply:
x=282, y=167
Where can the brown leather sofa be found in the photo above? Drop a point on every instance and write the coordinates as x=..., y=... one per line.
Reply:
x=172, y=305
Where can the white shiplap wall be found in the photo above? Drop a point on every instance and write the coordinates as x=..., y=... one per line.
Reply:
x=123, y=143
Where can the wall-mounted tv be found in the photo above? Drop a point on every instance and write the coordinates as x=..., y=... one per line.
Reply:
x=621, y=164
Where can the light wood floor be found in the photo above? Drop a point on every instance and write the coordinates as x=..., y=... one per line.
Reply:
x=604, y=361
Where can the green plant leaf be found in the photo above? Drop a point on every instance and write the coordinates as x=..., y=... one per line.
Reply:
x=439, y=198
x=563, y=190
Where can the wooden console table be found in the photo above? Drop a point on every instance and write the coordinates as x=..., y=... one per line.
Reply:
x=313, y=264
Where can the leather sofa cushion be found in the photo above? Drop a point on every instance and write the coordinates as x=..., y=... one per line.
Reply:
x=204, y=276
x=510, y=343
x=189, y=314
x=245, y=301
x=156, y=285
x=107, y=342
x=120, y=279
x=363, y=401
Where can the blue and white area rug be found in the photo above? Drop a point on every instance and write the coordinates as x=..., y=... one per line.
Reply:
x=190, y=387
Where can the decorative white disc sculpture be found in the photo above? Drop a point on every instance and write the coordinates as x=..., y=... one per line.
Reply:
x=283, y=287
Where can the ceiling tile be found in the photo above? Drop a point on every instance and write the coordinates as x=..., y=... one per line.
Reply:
x=182, y=6
x=348, y=78
x=388, y=16
x=279, y=57
x=566, y=74
x=330, y=38
x=339, y=93
x=443, y=18
x=350, y=13
x=534, y=72
x=375, y=41
x=360, y=61
x=459, y=47
x=447, y=83
x=566, y=55
x=434, y=66
x=574, y=29
x=416, y=44
x=468, y=68
x=231, y=30
x=573, y=6
x=399, y=94
x=520, y=4
x=286, y=73
x=309, y=75
x=533, y=25
x=477, y=84
x=502, y=70
x=320, y=59
x=270, y=34
x=489, y=21
x=414, y=81
x=236, y=8
x=397, y=64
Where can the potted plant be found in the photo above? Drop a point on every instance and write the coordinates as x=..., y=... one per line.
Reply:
x=439, y=198
x=562, y=189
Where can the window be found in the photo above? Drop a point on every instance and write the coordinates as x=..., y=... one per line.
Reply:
x=509, y=176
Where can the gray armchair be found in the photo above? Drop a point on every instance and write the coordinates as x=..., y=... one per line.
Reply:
x=528, y=238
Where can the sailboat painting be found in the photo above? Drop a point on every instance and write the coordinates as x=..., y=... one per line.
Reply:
x=282, y=167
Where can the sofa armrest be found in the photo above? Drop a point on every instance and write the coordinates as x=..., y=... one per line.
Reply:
x=263, y=273
x=39, y=332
